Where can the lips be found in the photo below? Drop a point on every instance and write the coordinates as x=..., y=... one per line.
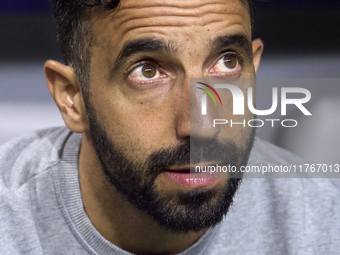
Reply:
x=183, y=177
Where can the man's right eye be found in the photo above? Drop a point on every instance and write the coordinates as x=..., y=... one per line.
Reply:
x=145, y=72
x=149, y=71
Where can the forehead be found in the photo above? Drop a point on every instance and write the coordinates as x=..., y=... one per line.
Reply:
x=190, y=20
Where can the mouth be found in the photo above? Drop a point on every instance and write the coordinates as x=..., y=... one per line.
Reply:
x=187, y=177
x=181, y=170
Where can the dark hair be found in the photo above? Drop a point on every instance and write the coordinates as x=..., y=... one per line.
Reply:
x=74, y=34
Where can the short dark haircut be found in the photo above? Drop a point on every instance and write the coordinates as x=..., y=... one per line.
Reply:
x=74, y=33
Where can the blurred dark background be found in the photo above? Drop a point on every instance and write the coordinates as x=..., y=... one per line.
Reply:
x=286, y=26
x=301, y=37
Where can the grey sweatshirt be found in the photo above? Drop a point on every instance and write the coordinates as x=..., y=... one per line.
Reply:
x=41, y=210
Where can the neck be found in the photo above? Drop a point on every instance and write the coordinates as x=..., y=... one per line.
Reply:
x=116, y=219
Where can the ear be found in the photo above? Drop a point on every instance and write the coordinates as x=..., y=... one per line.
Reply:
x=257, y=52
x=65, y=90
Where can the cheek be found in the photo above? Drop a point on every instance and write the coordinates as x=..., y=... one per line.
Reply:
x=136, y=126
x=237, y=128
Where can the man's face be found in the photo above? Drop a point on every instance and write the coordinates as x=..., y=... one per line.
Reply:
x=139, y=106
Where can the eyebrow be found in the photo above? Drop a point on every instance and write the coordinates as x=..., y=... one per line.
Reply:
x=140, y=46
x=238, y=40
x=168, y=48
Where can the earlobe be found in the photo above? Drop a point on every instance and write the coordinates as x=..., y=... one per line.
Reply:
x=65, y=90
x=257, y=53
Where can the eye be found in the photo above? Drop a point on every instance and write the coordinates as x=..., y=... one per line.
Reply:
x=149, y=71
x=227, y=65
x=230, y=61
x=145, y=72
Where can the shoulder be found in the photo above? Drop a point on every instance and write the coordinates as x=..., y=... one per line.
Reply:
x=314, y=185
x=27, y=156
x=301, y=211
x=23, y=163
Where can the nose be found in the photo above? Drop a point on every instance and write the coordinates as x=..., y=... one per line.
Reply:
x=191, y=123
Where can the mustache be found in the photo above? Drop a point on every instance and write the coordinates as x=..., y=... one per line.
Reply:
x=193, y=152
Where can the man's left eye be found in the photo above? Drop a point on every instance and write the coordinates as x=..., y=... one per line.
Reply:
x=227, y=65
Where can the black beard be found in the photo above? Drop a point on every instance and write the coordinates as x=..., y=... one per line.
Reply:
x=176, y=211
